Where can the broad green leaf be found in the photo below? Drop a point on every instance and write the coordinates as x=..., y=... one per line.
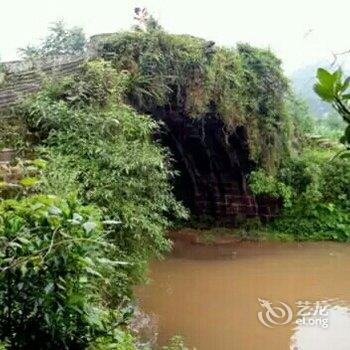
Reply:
x=112, y=222
x=323, y=92
x=93, y=272
x=77, y=217
x=326, y=79
x=337, y=75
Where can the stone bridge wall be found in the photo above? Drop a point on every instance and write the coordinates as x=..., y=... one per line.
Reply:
x=20, y=78
x=220, y=192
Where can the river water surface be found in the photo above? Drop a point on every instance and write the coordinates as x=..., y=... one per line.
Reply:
x=252, y=296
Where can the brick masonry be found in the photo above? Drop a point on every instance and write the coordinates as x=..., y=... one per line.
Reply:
x=22, y=78
x=232, y=203
x=214, y=167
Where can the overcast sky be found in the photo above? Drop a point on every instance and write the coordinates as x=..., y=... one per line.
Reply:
x=301, y=32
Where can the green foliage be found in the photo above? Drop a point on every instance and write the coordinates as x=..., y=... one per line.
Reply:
x=105, y=151
x=145, y=20
x=60, y=41
x=20, y=178
x=53, y=273
x=331, y=126
x=3, y=345
x=192, y=77
x=313, y=220
x=297, y=173
x=334, y=88
x=336, y=182
x=320, y=202
x=12, y=133
x=264, y=184
x=300, y=114
x=116, y=340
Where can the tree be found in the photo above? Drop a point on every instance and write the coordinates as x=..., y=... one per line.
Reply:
x=60, y=41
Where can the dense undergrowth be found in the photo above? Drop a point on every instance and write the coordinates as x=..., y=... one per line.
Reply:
x=104, y=151
x=75, y=243
x=66, y=275
x=320, y=175
x=53, y=266
x=314, y=185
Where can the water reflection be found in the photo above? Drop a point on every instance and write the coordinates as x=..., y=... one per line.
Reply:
x=332, y=333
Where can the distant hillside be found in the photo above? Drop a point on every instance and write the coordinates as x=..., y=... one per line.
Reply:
x=304, y=80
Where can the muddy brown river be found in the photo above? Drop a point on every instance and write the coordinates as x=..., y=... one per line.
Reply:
x=252, y=296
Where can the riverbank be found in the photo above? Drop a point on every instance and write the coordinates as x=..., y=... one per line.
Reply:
x=227, y=236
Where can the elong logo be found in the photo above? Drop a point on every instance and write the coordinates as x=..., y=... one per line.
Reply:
x=280, y=313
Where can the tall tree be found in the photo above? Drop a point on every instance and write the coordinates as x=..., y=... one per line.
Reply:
x=60, y=41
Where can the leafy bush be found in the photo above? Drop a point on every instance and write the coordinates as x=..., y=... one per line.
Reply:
x=106, y=153
x=336, y=182
x=20, y=178
x=320, y=205
x=308, y=219
x=53, y=272
x=296, y=172
x=264, y=184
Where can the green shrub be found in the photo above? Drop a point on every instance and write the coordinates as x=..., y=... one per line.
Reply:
x=296, y=173
x=336, y=182
x=320, y=206
x=53, y=272
x=312, y=220
x=106, y=153
x=264, y=184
